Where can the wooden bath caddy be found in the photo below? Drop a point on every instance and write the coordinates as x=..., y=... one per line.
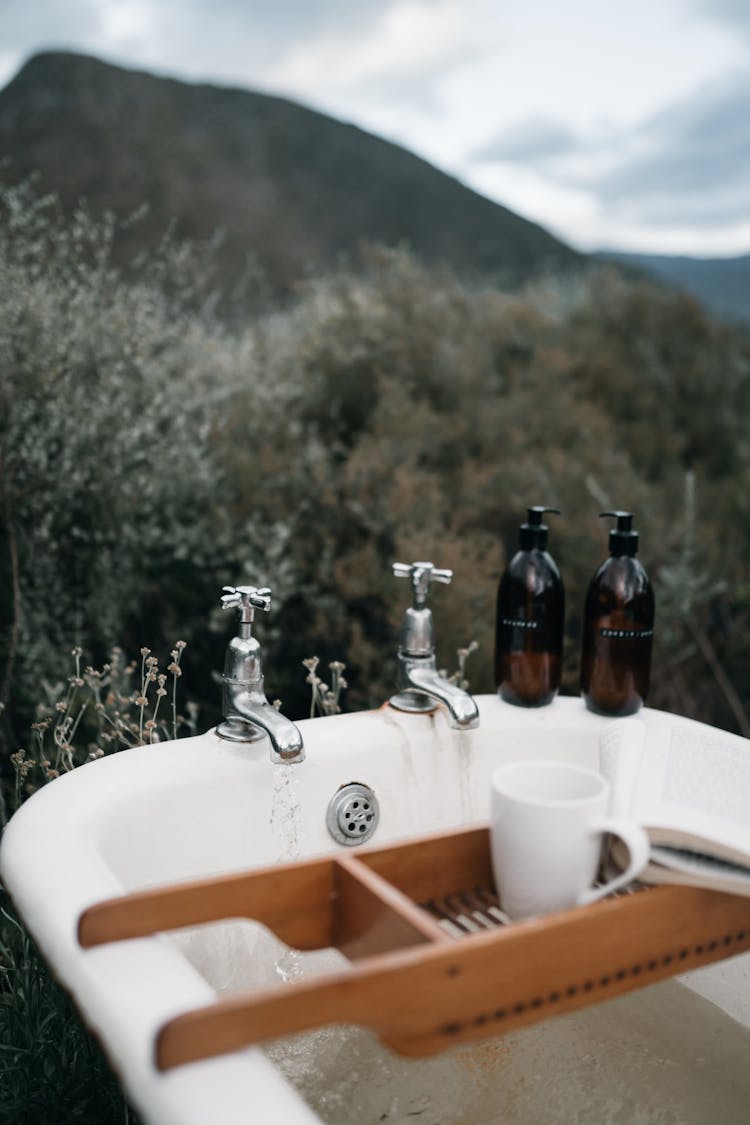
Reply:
x=419, y=980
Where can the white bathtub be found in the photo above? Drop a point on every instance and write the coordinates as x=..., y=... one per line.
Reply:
x=202, y=806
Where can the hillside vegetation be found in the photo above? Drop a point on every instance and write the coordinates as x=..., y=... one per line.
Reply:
x=151, y=454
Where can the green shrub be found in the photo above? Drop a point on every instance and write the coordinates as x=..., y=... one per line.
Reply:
x=114, y=389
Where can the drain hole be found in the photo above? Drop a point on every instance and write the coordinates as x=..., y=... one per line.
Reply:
x=352, y=814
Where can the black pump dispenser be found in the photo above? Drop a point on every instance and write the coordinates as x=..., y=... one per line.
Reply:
x=533, y=533
x=623, y=540
x=530, y=618
x=618, y=627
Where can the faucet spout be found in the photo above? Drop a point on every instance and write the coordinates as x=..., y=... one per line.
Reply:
x=421, y=687
x=249, y=716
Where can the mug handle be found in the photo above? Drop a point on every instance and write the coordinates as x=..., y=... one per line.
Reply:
x=637, y=843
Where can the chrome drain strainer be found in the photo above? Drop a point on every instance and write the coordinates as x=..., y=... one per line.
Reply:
x=353, y=814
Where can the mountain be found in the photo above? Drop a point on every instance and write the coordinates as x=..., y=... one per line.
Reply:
x=722, y=284
x=287, y=185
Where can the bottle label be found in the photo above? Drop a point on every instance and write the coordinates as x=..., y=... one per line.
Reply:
x=520, y=623
x=627, y=634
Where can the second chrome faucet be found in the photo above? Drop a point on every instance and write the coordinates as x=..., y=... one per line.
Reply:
x=420, y=686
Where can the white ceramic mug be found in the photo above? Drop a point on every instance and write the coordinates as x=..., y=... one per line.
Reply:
x=547, y=824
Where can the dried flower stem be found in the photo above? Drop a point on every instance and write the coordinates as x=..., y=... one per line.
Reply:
x=459, y=676
x=176, y=671
x=325, y=699
x=106, y=699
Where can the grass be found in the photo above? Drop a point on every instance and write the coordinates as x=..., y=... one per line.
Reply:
x=51, y=1069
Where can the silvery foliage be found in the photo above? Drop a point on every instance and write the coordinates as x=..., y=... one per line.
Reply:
x=114, y=391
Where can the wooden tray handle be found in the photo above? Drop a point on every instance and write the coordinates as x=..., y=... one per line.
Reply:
x=422, y=1000
x=294, y=900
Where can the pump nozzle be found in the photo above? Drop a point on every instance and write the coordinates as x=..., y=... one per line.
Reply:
x=534, y=532
x=622, y=539
x=535, y=514
x=624, y=519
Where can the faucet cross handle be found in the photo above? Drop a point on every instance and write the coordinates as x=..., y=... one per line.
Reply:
x=421, y=575
x=246, y=599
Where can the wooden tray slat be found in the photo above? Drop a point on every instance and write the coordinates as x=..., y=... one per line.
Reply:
x=435, y=866
x=373, y=917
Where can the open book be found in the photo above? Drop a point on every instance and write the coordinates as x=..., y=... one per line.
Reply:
x=689, y=787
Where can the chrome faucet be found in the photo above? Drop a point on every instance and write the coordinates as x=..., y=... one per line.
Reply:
x=420, y=687
x=248, y=715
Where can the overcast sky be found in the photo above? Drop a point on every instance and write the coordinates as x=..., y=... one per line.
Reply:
x=614, y=124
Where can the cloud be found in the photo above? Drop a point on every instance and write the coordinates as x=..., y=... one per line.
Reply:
x=24, y=24
x=691, y=161
x=534, y=140
x=236, y=37
x=264, y=26
x=281, y=21
x=688, y=165
x=734, y=14
x=406, y=46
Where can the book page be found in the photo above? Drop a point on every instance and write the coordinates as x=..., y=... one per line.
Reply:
x=710, y=775
x=695, y=785
x=620, y=753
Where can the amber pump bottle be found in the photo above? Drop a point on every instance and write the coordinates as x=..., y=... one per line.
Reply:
x=530, y=619
x=618, y=627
